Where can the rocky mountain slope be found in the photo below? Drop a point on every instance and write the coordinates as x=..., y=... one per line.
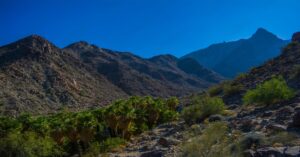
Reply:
x=232, y=58
x=261, y=130
x=36, y=76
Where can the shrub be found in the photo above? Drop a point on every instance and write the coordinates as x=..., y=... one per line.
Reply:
x=241, y=76
x=215, y=141
x=251, y=141
x=295, y=73
x=226, y=88
x=201, y=108
x=284, y=138
x=111, y=144
x=215, y=90
x=28, y=144
x=271, y=91
x=230, y=89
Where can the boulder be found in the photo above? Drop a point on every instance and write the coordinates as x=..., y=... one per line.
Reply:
x=154, y=153
x=296, y=120
x=216, y=117
x=296, y=37
x=163, y=142
x=284, y=114
x=270, y=151
x=292, y=151
x=267, y=114
x=274, y=152
x=249, y=153
x=166, y=142
x=276, y=127
x=246, y=125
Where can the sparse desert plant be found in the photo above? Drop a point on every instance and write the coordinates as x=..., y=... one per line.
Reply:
x=241, y=76
x=251, y=141
x=215, y=90
x=226, y=88
x=295, y=74
x=283, y=138
x=231, y=89
x=215, y=141
x=269, y=92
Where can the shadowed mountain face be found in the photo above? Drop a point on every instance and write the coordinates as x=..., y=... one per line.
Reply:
x=157, y=76
x=287, y=64
x=232, y=58
x=38, y=77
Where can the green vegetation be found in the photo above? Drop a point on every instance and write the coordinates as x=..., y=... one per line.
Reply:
x=226, y=88
x=84, y=133
x=295, y=73
x=215, y=141
x=241, y=76
x=215, y=90
x=270, y=92
x=202, y=107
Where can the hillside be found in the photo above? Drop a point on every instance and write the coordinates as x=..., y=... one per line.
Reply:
x=242, y=130
x=38, y=77
x=232, y=58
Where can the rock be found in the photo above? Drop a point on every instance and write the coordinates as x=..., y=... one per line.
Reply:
x=264, y=122
x=296, y=37
x=173, y=141
x=269, y=152
x=297, y=108
x=163, y=141
x=250, y=140
x=246, y=125
x=276, y=127
x=287, y=110
x=249, y=153
x=154, y=153
x=276, y=152
x=296, y=120
x=216, y=117
x=284, y=114
x=293, y=151
x=267, y=114
x=166, y=142
x=232, y=106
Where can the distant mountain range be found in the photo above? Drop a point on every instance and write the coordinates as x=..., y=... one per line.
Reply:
x=232, y=58
x=38, y=77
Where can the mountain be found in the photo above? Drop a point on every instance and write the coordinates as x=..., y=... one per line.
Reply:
x=38, y=77
x=157, y=76
x=232, y=58
x=286, y=64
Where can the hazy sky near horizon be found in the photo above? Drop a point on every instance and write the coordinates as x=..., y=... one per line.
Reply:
x=146, y=27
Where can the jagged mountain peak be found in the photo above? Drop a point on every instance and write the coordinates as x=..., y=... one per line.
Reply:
x=262, y=33
x=34, y=40
x=232, y=58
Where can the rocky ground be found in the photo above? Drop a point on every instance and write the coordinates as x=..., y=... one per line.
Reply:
x=165, y=139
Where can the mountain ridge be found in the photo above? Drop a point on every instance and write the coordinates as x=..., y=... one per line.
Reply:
x=234, y=57
x=38, y=77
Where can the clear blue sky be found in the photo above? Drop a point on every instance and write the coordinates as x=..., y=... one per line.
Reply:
x=146, y=27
